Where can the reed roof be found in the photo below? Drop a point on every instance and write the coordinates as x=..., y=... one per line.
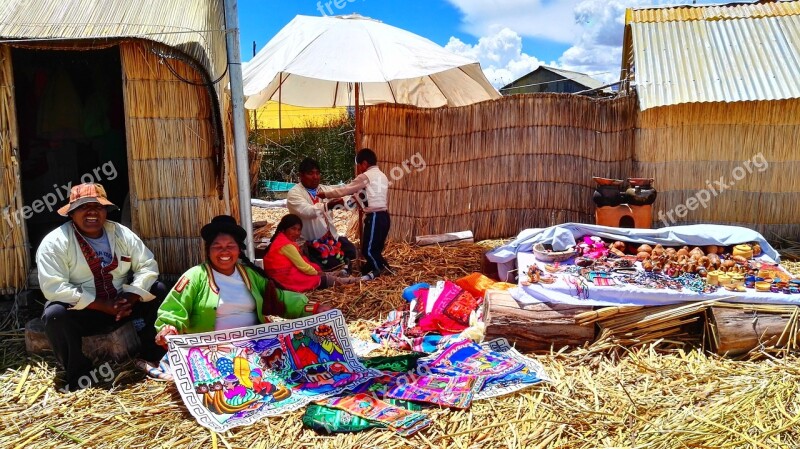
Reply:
x=196, y=27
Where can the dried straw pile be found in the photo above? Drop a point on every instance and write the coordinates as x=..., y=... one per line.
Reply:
x=642, y=398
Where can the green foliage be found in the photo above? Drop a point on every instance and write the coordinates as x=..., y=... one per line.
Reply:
x=333, y=146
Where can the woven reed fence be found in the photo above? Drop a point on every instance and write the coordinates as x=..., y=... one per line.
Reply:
x=750, y=147
x=14, y=257
x=171, y=158
x=499, y=167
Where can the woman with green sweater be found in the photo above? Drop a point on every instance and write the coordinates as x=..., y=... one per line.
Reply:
x=226, y=291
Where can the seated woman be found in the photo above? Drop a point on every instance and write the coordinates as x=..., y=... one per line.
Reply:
x=284, y=262
x=224, y=292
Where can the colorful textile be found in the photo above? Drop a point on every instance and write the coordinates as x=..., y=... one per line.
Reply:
x=236, y=377
x=393, y=333
x=504, y=369
x=477, y=284
x=531, y=374
x=466, y=357
x=331, y=420
x=442, y=389
x=363, y=405
x=450, y=314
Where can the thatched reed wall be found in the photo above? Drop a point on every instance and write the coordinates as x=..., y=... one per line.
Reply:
x=502, y=166
x=686, y=147
x=13, y=252
x=171, y=157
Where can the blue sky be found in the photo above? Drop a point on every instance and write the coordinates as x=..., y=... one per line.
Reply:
x=508, y=37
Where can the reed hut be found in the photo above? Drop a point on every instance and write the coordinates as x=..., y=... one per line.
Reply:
x=719, y=112
x=130, y=94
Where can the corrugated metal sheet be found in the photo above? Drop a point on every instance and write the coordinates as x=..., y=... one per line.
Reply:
x=196, y=27
x=714, y=12
x=717, y=60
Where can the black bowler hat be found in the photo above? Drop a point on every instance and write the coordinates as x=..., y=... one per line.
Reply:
x=223, y=224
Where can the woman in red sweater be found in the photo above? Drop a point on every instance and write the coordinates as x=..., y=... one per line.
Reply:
x=287, y=266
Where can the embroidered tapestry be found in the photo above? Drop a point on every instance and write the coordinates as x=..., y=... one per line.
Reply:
x=235, y=377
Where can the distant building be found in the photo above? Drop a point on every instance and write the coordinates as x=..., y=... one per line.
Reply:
x=552, y=80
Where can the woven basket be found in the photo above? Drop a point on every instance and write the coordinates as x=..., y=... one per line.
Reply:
x=542, y=254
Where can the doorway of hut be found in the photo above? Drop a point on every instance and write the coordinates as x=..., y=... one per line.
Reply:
x=71, y=123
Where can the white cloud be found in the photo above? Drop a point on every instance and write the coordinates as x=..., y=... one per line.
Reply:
x=547, y=19
x=500, y=55
x=594, y=28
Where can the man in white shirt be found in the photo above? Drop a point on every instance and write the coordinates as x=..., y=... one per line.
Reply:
x=302, y=200
x=83, y=267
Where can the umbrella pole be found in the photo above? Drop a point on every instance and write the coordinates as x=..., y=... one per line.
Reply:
x=358, y=147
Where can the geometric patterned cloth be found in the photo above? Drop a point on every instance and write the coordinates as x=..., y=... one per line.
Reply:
x=235, y=377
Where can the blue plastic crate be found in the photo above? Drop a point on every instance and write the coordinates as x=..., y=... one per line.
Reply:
x=277, y=186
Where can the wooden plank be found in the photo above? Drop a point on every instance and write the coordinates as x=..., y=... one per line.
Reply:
x=737, y=331
x=535, y=327
x=451, y=238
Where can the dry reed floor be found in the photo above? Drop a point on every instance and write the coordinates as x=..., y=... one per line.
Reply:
x=647, y=398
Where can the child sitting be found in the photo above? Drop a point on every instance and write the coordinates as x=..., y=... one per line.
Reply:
x=292, y=270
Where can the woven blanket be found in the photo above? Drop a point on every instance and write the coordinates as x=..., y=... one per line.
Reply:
x=235, y=377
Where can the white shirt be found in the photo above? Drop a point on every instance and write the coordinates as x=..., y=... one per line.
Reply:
x=236, y=307
x=64, y=275
x=372, y=186
x=315, y=225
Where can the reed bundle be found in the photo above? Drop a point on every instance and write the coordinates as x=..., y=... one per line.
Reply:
x=13, y=251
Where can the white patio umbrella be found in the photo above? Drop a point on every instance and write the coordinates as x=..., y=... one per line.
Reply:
x=329, y=61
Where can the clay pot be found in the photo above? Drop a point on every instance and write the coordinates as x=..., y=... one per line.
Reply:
x=712, y=249
x=642, y=255
x=658, y=250
x=647, y=264
x=640, y=192
x=705, y=262
x=670, y=252
x=697, y=253
x=608, y=192
x=714, y=260
x=728, y=263
x=644, y=249
x=756, y=249
x=619, y=245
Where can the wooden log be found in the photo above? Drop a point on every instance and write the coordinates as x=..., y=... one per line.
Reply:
x=451, y=238
x=535, y=327
x=736, y=331
x=118, y=344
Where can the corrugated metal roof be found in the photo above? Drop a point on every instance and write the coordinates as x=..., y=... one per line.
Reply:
x=714, y=12
x=580, y=78
x=196, y=27
x=716, y=60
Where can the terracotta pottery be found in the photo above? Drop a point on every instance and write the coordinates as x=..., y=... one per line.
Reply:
x=697, y=253
x=642, y=255
x=712, y=249
x=756, y=249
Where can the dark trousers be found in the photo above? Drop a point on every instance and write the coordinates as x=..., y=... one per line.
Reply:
x=348, y=248
x=65, y=329
x=373, y=239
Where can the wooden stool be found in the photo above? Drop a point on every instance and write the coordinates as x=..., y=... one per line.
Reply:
x=117, y=345
x=624, y=216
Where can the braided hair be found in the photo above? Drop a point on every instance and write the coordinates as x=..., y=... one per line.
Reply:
x=287, y=221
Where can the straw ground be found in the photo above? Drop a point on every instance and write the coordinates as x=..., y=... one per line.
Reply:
x=650, y=397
